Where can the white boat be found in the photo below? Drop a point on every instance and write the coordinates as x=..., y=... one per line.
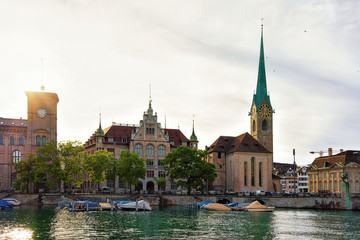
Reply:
x=135, y=206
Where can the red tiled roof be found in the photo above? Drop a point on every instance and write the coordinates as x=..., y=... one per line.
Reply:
x=342, y=158
x=119, y=132
x=242, y=143
x=176, y=136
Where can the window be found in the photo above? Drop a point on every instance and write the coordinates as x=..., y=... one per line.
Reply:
x=335, y=186
x=150, y=131
x=161, y=150
x=184, y=143
x=1, y=140
x=21, y=141
x=219, y=154
x=245, y=173
x=264, y=125
x=43, y=140
x=252, y=171
x=12, y=140
x=37, y=140
x=260, y=177
x=111, y=140
x=139, y=149
x=16, y=156
x=110, y=149
x=150, y=150
x=161, y=173
x=150, y=163
x=319, y=175
x=150, y=174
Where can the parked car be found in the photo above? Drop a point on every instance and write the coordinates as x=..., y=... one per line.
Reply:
x=105, y=190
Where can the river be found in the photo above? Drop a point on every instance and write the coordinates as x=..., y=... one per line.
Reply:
x=29, y=222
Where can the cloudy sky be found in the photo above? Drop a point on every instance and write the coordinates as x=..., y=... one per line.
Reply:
x=200, y=57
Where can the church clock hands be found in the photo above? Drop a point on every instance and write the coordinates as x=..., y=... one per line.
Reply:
x=265, y=110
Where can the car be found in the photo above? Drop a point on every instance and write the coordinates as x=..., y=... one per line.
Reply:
x=212, y=192
x=105, y=190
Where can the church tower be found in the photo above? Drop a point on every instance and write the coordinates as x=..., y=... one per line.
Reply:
x=193, y=138
x=261, y=112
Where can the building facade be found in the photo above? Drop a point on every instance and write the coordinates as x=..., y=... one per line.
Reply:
x=244, y=163
x=19, y=137
x=328, y=174
x=148, y=139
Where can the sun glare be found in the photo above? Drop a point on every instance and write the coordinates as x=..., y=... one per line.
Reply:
x=17, y=233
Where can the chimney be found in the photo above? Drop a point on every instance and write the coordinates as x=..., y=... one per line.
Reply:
x=341, y=150
x=330, y=151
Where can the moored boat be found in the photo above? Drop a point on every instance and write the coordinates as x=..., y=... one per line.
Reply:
x=134, y=206
x=258, y=207
x=13, y=201
x=217, y=207
x=5, y=204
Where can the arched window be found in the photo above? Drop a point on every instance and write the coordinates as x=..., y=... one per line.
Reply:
x=38, y=140
x=161, y=150
x=16, y=156
x=43, y=140
x=139, y=149
x=254, y=125
x=21, y=141
x=260, y=174
x=245, y=173
x=252, y=171
x=1, y=140
x=264, y=125
x=150, y=150
x=12, y=141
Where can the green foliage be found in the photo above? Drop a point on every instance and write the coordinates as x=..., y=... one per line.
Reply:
x=25, y=173
x=189, y=166
x=130, y=167
x=161, y=182
x=97, y=164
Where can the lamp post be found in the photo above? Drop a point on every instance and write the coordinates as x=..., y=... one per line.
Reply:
x=294, y=171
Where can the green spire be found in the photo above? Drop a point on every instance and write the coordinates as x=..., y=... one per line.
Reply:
x=193, y=136
x=99, y=131
x=261, y=89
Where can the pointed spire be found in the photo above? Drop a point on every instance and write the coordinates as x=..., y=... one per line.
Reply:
x=99, y=131
x=193, y=136
x=261, y=89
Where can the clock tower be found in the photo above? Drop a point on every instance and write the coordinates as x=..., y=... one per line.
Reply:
x=42, y=118
x=261, y=112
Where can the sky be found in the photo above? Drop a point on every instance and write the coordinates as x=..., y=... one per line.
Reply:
x=200, y=58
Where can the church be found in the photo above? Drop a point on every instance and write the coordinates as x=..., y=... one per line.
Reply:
x=244, y=163
x=19, y=137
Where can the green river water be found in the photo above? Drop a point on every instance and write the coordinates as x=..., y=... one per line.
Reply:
x=29, y=222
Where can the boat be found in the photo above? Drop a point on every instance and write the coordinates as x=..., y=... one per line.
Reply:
x=13, y=201
x=203, y=204
x=258, y=207
x=217, y=207
x=105, y=206
x=5, y=204
x=86, y=205
x=134, y=206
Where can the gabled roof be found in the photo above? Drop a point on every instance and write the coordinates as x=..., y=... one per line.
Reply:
x=242, y=143
x=119, y=132
x=176, y=136
x=340, y=159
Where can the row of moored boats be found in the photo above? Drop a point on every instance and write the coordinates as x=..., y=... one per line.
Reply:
x=88, y=205
x=8, y=203
x=251, y=207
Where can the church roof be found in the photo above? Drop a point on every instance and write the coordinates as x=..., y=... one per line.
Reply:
x=343, y=158
x=242, y=143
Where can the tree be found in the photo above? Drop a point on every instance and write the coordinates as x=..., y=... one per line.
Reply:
x=161, y=182
x=25, y=173
x=189, y=166
x=72, y=163
x=97, y=164
x=130, y=167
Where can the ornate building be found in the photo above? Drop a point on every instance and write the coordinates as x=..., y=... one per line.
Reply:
x=148, y=139
x=244, y=163
x=21, y=136
x=330, y=173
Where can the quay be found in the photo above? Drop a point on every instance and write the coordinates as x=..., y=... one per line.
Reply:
x=295, y=202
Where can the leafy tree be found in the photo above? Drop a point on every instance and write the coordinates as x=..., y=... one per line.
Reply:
x=161, y=182
x=97, y=164
x=72, y=166
x=189, y=166
x=130, y=167
x=25, y=173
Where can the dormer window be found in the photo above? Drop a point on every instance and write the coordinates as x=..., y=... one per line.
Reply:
x=111, y=139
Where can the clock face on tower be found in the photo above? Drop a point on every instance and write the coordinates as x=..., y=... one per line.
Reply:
x=265, y=110
x=41, y=113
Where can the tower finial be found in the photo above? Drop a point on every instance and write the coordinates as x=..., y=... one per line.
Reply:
x=262, y=23
x=193, y=136
x=42, y=75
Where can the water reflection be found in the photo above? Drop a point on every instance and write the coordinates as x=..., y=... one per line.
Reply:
x=178, y=223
